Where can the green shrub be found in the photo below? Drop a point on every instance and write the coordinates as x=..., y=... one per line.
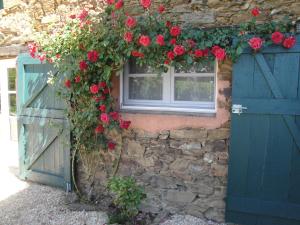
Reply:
x=127, y=195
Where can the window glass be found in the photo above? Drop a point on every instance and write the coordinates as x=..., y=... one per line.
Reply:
x=194, y=89
x=136, y=69
x=146, y=88
x=12, y=75
x=200, y=67
x=12, y=104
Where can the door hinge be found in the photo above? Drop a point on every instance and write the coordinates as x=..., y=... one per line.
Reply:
x=68, y=187
x=238, y=109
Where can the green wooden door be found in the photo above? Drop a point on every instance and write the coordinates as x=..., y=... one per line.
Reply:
x=44, y=136
x=264, y=165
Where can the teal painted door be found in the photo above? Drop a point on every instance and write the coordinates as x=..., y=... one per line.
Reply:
x=44, y=134
x=264, y=165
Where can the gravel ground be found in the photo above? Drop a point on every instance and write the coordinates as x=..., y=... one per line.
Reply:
x=188, y=220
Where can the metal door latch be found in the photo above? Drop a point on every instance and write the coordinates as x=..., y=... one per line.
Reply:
x=237, y=109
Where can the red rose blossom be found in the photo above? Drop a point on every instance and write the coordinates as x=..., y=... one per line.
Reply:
x=42, y=57
x=124, y=124
x=173, y=41
x=289, y=42
x=94, y=89
x=255, y=43
x=99, y=129
x=205, y=52
x=175, y=31
x=145, y=3
x=77, y=79
x=104, y=118
x=102, y=84
x=161, y=9
x=111, y=146
x=83, y=65
x=32, y=49
x=198, y=53
x=105, y=91
x=170, y=55
x=72, y=16
x=160, y=40
x=93, y=56
x=137, y=54
x=102, y=108
x=130, y=22
x=277, y=37
x=128, y=37
x=114, y=115
x=191, y=43
x=179, y=50
x=168, y=24
x=68, y=83
x=255, y=11
x=110, y=2
x=144, y=40
x=83, y=14
x=119, y=4
x=166, y=62
x=219, y=53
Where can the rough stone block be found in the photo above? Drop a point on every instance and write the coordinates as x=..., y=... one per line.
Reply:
x=218, y=170
x=135, y=149
x=181, y=197
x=218, y=134
x=199, y=134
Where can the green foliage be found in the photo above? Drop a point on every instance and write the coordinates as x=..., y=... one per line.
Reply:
x=127, y=195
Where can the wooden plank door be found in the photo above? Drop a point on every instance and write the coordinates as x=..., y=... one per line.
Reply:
x=44, y=134
x=264, y=165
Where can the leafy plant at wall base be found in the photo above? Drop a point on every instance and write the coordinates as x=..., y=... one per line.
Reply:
x=127, y=197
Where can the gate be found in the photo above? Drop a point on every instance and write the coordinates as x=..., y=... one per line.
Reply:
x=264, y=165
x=44, y=136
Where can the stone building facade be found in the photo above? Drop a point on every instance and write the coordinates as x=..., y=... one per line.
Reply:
x=181, y=160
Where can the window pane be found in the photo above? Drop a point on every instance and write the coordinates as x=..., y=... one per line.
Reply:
x=135, y=68
x=194, y=89
x=146, y=88
x=200, y=67
x=12, y=104
x=12, y=75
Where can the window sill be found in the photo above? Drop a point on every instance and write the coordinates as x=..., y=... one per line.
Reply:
x=169, y=111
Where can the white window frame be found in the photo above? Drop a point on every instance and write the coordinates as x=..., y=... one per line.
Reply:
x=172, y=104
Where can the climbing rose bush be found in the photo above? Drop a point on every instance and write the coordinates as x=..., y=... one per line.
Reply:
x=88, y=50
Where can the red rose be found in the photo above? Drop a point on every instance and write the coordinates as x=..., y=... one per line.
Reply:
x=93, y=56
x=77, y=79
x=42, y=57
x=68, y=83
x=145, y=3
x=83, y=65
x=111, y=146
x=161, y=9
x=104, y=118
x=179, y=50
x=168, y=24
x=160, y=40
x=130, y=22
x=137, y=54
x=83, y=14
x=277, y=37
x=170, y=55
x=175, y=31
x=105, y=91
x=58, y=56
x=102, y=98
x=102, y=84
x=119, y=4
x=205, y=52
x=72, y=16
x=255, y=43
x=124, y=124
x=94, y=89
x=102, y=108
x=128, y=37
x=167, y=62
x=99, y=129
x=173, y=41
x=32, y=49
x=110, y=2
x=255, y=11
x=191, y=43
x=289, y=42
x=114, y=115
x=198, y=53
x=145, y=40
x=220, y=54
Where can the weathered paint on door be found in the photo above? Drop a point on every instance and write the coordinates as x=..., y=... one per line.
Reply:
x=264, y=165
x=44, y=136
